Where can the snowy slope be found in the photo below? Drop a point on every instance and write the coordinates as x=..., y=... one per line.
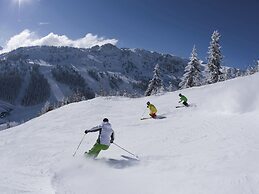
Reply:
x=208, y=149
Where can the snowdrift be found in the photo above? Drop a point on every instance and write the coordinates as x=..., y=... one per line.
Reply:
x=211, y=147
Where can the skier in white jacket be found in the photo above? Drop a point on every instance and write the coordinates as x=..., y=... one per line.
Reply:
x=105, y=138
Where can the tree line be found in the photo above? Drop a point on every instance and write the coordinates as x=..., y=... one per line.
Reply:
x=10, y=84
x=67, y=75
x=38, y=90
x=196, y=75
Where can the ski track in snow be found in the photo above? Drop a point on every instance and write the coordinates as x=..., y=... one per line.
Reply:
x=197, y=150
x=55, y=89
x=45, y=69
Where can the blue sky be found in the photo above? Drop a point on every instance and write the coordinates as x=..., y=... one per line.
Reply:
x=167, y=26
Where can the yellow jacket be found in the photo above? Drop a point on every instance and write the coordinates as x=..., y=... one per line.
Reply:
x=152, y=108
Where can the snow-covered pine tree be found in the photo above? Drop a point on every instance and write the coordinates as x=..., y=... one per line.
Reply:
x=226, y=74
x=251, y=69
x=256, y=67
x=155, y=85
x=64, y=101
x=192, y=76
x=171, y=87
x=240, y=73
x=214, y=59
x=77, y=96
x=248, y=71
x=46, y=108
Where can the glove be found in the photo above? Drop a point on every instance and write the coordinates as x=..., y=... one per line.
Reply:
x=86, y=131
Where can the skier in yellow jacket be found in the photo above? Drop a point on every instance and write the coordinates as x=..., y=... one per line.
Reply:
x=152, y=109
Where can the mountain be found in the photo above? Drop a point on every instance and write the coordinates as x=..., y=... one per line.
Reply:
x=31, y=76
x=107, y=68
x=208, y=148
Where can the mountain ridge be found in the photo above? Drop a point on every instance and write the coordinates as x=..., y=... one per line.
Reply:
x=100, y=70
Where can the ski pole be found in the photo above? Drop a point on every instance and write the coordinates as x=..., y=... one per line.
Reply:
x=125, y=150
x=143, y=113
x=79, y=144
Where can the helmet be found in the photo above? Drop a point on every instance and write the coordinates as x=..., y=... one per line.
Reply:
x=148, y=103
x=105, y=120
x=180, y=94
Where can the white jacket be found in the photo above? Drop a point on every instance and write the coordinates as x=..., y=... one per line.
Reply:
x=106, y=133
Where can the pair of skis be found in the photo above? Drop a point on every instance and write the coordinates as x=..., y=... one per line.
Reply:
x=123, y=156
x=182, y=106
x=157, y=117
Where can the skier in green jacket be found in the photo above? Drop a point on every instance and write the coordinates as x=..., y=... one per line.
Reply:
x=183, y=100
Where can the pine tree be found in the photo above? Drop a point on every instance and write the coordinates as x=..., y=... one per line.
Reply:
x=214, y=59
x=77, y=96
x=192, y=75
x=46, y=108
x=256, y=67
x=251, y=69
x=155, y=84
x=238, y=73
x=171, y=87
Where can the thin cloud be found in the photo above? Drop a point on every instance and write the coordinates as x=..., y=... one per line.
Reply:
x=43, y=23
x=29, y=38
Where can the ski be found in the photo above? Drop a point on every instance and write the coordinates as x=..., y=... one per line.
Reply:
x=157, y=117
x=160, y=117
x=190, y=105
x=146, y=118
x=180, y=106
x=130, y=158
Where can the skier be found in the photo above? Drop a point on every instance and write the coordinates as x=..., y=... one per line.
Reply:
x=152, y=109
x=183, y=100
x=105, y=138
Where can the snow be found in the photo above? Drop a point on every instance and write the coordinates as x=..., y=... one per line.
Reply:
x=57, y=92
x=212, y=147
x=44, y=63
x=55, y=89
x=94, y=59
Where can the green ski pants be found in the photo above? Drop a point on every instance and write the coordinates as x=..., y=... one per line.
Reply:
x=96, y=149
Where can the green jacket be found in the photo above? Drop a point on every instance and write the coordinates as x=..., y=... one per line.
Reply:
x=183, y=99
